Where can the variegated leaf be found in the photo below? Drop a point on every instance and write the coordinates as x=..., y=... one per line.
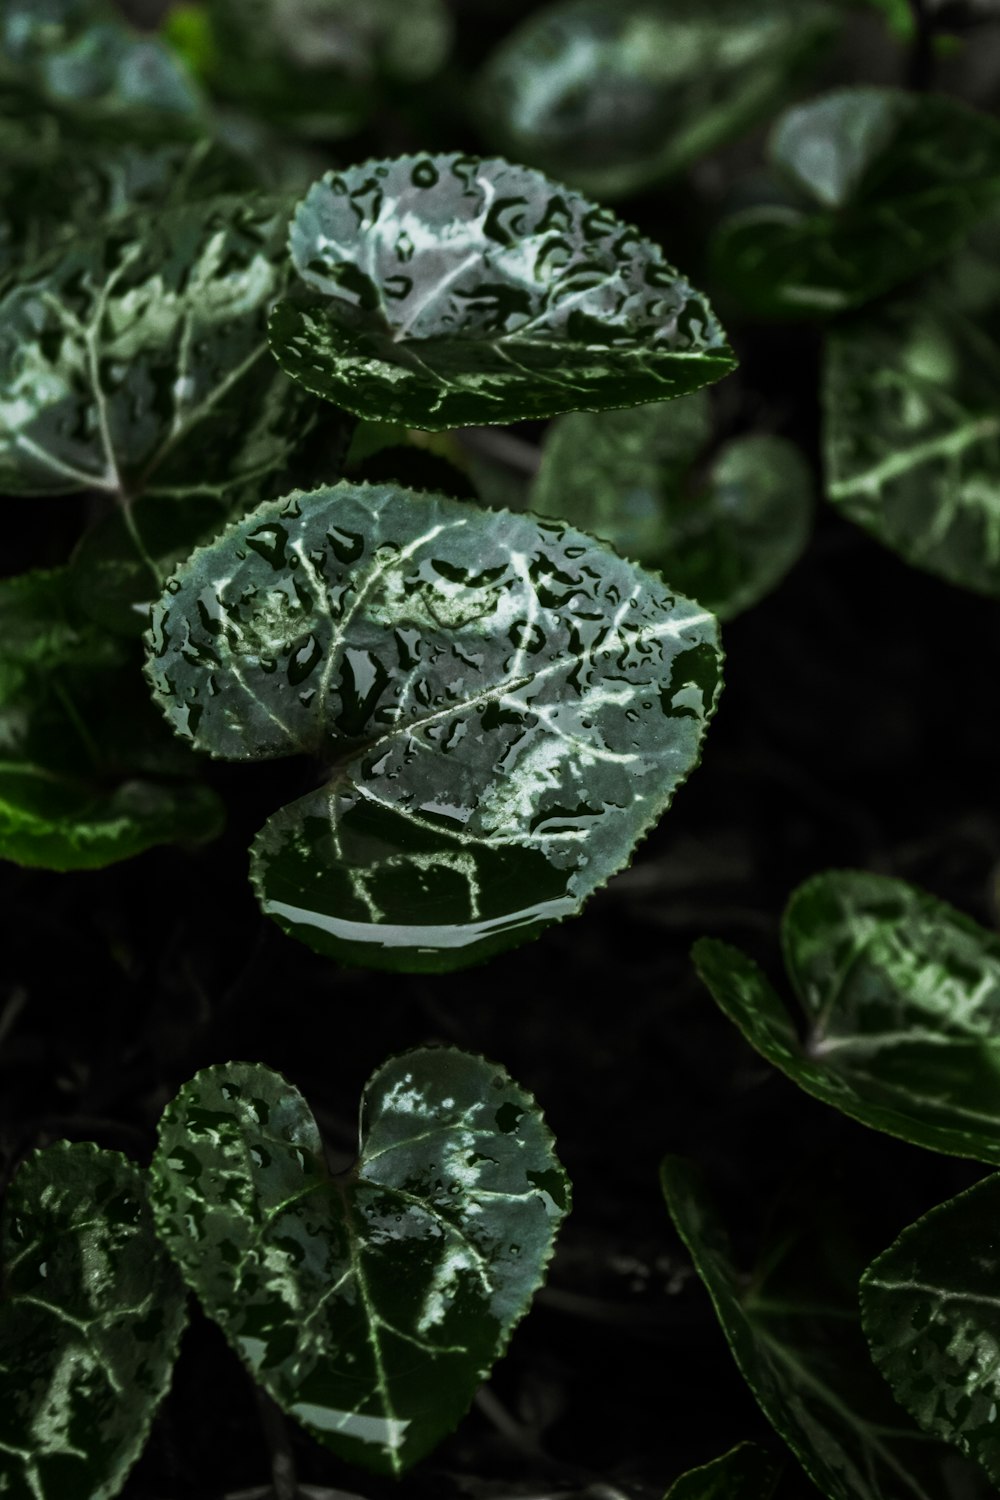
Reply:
x=370, y=1304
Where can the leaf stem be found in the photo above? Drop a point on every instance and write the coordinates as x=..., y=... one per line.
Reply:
x=284, y=1484
x=920, y=74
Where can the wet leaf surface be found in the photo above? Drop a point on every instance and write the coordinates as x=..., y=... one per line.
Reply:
x=746, y=1473
x=372, y=1304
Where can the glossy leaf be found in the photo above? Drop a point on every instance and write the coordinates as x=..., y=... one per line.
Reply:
x=794, y=1331
x=746, y=1473
x=878, y=185
x=139, y=365
x=87, y=775
x=723, y=528
x=612, y=97
x=370, y=1305
x=507, y=707
x=901, y=996
x=444, y=291
x=91, y=1315
x=930, y=1310
x=912, y=435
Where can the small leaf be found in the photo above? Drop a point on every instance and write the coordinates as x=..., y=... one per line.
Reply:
x=746, y=1473
x=881, y=183
x=91, y=1316
x=370, y=1305
x=444, y=291
x=794, y=1332
x=911, y=396
x=726, y=535
x=901, y=996
x=930, y=1309
x=612, y=97
x=507, y=708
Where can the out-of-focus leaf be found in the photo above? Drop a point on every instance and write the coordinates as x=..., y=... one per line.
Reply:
x=746, y=1473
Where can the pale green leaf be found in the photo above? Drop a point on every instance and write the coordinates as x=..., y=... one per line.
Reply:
x=745, y=1473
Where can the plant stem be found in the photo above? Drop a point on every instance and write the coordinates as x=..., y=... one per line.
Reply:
x=284, y=1483
x=921, y=68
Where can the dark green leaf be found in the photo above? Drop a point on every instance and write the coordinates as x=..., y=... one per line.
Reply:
x=443, y=291
x=931, y=1311
x=370, y=1305
x=746, y=1473
x=612, y=95
x=882, y=183
x=901, y=996
x=794, y=1331
x=87, y=776
x=91, y=1315
x=725, y=533
x=508, y=707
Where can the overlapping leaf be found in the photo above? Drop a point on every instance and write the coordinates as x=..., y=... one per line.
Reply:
x=91, y=1314
x=507, y=705
x=901, y=996
x=372, y=1304
x=745, y=1473
x=444, y=291
x=614, y=96
x=723, y=528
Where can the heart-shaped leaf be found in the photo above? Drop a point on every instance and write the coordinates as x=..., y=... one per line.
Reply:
x=745, y=1473
x=794, y=1331
x=371, y=1304
x=879, y=184
x=91, y=1316
x=901, y=996
x=87, y=776
x=931, y=1309
x=911, y=399
x=444, y=291
x=507, y=706
x=725, y=532
x=138, y=363
x=614, y=96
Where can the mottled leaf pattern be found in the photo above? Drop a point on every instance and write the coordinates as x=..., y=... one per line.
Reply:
x=614, y=96
x=508, y=707
x=91, y=1315
x=901, y=996
x=444, y=291
x=723, y=528
x=746, y=1473
x=369, y=1305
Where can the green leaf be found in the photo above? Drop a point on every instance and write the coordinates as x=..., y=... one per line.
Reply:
x=87, y=776
x=745, y=1473
x=506, y=707
x=351, y=1298
x=930, y=1309
x=911, y=397
x=612, y=97
x=444, y=291
x=91, y=1316
x=880, y=184
x=724, y=530
x=794, y=1332
x=138, y=363
x=901, y=996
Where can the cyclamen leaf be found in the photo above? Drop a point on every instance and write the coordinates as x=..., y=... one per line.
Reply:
x=901, y=995
x=444, y=291
x=508, y=708
x=612, y=97
x=746, y=1473
x=370, y=1305
x=725, y=532
x=91, y=1316
x=930, y=1309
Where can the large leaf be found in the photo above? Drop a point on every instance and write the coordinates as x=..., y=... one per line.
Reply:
x=91, y=1315
x=931, y=1309
x=371, y=1304
x=444, y=291
x=901, y=996
x=138, y=363
x=506, y=705
x=614, y=96
x=879, y=184
x=911, y=397
x=794, y=1331
x=745, y=1473
x=723, y=527
x=87, y=775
